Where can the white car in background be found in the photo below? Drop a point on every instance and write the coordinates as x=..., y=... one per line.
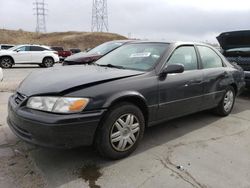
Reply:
x=6, y=46
x=1, y=74
x=28, y=54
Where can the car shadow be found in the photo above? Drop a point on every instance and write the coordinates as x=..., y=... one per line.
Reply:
x=68, y=163
x=26, y=67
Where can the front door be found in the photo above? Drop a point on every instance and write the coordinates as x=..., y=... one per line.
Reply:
x=181, y=93
x=22, y=55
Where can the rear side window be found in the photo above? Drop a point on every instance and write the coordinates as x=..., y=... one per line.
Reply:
x=185, y=55
x=37, y=48
x=209, y=58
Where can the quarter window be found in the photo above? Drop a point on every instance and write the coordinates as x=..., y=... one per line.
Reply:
x=185, y=55
x=209, y=58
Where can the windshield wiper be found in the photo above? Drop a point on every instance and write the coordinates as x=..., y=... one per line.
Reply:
x=112, y=66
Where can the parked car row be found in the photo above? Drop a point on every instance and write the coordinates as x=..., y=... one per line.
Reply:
x=110, y=102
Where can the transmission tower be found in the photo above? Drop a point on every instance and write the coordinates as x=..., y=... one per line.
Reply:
x=40, y=13
x=99, y=16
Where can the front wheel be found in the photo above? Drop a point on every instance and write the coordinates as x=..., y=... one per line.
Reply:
x=6, y=62
x=226, y=105
x=120, y=132
x=48, y=62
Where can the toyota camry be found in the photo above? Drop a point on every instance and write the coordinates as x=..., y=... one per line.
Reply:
x=109, y=103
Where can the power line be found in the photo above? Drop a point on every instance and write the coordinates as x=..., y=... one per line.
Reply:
x=40, y=13
x=99, y=16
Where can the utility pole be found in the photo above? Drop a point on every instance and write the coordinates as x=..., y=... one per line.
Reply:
x=99, y=16
x=40, y=13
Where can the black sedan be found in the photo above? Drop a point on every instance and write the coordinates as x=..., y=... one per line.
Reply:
x=110, y=103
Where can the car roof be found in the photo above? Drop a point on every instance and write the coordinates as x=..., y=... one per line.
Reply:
x=33, y=45
x=177, y=43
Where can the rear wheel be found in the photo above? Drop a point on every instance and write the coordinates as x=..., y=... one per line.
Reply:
x=6, y=62
x=226, y=105
x=121, y=131
x=48, y=62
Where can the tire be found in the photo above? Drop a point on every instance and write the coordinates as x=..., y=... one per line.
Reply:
x=41, y=65
x=121, y=131
x=226, y=105
x=6, y=62
x=48, y=62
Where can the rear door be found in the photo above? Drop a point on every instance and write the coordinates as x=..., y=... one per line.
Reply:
x=22, y=55
x=181, y=93
x=37, y=54
x=215, y=76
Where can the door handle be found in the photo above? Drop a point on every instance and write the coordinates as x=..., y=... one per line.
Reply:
x=193, y=82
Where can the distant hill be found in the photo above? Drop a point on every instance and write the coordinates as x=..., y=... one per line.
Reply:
x=67, y=40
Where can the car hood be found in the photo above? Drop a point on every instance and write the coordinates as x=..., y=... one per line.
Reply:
x=64, y=79
x=234, y=39
x=83, y=57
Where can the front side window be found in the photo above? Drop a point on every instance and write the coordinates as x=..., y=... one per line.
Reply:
x=23, y=49
x=209, y=58
x=138, y=56
x=185, y=55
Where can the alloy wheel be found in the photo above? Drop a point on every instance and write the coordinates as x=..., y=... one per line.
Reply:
x=124, y=132
x=228, y=100
x=6, y=63
x=48, y=62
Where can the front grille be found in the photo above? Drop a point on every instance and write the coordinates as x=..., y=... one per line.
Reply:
x=19, y=98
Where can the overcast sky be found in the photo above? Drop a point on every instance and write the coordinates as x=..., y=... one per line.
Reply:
x=199, y=20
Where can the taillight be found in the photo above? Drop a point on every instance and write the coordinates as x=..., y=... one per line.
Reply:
x=56, y=53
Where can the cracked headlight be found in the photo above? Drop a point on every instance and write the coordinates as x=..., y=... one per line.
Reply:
x=58, y=104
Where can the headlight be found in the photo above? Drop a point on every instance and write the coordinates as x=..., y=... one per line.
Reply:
x=58, y=104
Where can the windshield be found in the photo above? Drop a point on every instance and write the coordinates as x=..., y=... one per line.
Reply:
x=141, y=56
x=105, y=48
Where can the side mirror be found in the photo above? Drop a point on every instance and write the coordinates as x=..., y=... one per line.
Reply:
x=18, y=50
x=173, y=68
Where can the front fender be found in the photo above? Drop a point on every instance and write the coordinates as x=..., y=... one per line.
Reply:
x=122, y=95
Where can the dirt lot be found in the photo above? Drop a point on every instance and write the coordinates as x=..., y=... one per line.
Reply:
x=67, y=40
x=200, y=150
